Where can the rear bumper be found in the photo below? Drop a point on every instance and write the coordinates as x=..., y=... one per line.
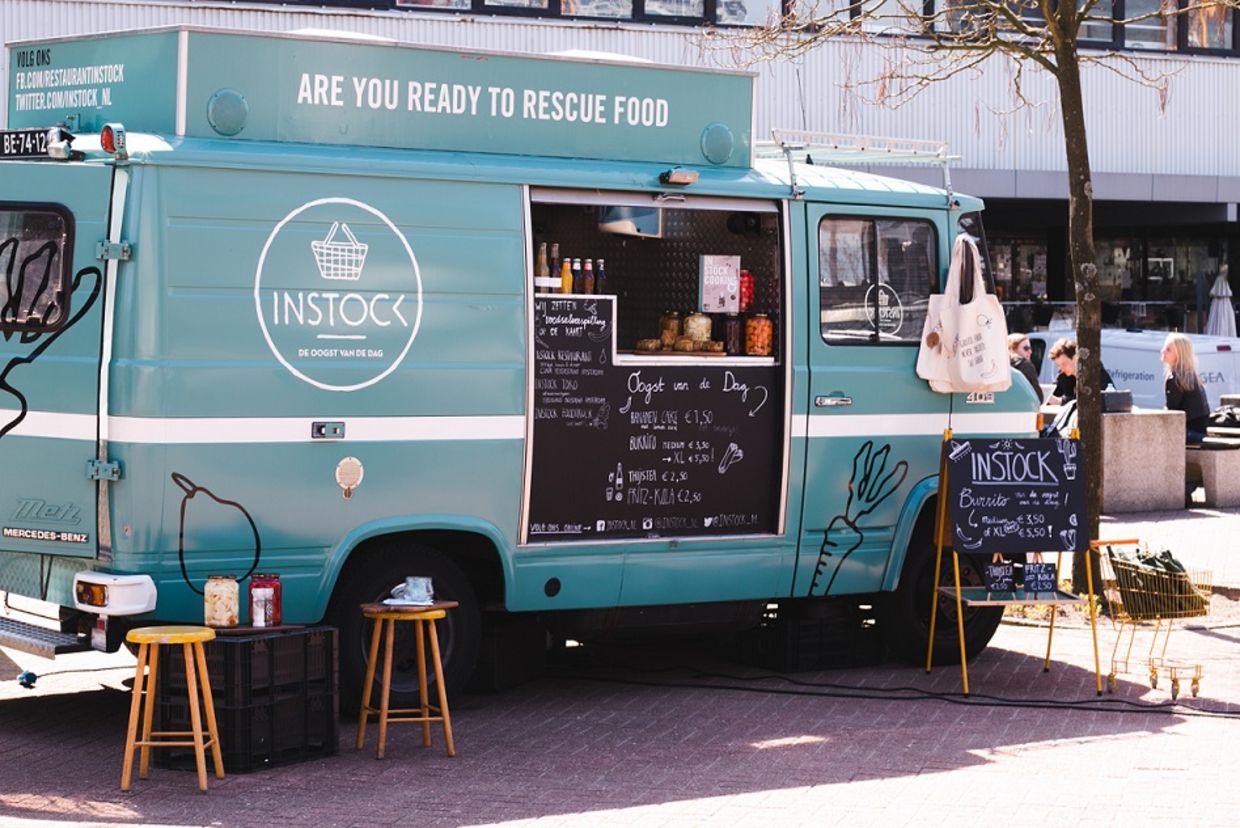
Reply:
x=125, y=594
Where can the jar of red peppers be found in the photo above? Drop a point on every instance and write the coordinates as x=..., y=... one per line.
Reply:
x=746, y=291
x=266, y=601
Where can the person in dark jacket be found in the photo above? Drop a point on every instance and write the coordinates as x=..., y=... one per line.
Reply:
x=1063, y=353
x=1183, y=386
x=1019, y=352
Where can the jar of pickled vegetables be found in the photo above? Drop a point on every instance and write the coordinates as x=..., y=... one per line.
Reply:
x=758, y=335
x=669, y=328
x=733, y=334
x=221, y=607
x=697, y=327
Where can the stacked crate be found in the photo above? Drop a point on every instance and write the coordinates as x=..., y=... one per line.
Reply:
x=275, y=698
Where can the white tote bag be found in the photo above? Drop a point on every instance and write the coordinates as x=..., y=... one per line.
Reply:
x=934, y=355
x=978, y=333
x=964, y=346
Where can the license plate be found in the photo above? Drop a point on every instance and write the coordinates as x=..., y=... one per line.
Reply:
x=99, y=634
x=23, y=143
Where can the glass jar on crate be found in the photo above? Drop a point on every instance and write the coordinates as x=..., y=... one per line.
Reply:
x=266, y=600
x=221, y=601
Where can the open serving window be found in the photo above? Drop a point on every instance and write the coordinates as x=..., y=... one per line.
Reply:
x=659, y=369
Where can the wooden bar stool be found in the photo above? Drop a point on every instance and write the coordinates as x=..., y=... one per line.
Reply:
x=149, y=640
x=385, y=617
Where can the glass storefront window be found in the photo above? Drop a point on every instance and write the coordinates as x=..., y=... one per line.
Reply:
x=1097, y=24
x=675, y=8
x=1152, y=26
x=1209, y=28
x=748, y=12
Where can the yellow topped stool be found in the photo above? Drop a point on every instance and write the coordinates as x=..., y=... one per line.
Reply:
x=196, y=681
x=385, y=617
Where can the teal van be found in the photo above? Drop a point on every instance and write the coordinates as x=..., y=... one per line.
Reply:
x=549, y=331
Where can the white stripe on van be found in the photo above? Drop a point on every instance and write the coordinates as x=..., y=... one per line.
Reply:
x=221, y=430
x=907, y=425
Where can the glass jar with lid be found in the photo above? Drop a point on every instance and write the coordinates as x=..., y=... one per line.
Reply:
x=697, y=327
x=266, y=600
x=669, y=329
x=221, y=601
x=758, y=335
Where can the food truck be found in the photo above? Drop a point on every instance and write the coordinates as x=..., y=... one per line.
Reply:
x=548, y=330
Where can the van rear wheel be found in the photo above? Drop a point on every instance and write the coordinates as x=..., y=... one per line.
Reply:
x=904, y=615
x=372, y=580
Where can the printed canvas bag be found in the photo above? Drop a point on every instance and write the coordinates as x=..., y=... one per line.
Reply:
x=978, y=333
x=933, y=355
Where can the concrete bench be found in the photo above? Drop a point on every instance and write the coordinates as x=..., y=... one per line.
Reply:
x=1217, y=464
x=1143, y=461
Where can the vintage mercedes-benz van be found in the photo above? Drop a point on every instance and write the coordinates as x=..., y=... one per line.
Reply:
x=332, y=310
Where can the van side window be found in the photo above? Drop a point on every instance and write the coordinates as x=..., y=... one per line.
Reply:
x=875, y=277
x=34, y=267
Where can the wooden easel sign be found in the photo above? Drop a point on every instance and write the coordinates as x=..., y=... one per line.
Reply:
x=1016, y=496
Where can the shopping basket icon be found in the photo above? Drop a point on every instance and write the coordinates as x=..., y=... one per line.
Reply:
x=340, y=259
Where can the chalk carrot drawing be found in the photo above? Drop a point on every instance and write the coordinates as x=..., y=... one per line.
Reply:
x=868, y=487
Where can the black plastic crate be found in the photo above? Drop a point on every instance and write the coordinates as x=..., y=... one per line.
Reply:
x=278, y=730
x=246, y=669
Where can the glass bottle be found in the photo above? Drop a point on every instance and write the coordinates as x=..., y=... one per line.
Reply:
x=221, y=601
x=576, y=270
x=566, y=277
x=555, y=266
x=542, y=271
x=587, y=276
x=600, y=278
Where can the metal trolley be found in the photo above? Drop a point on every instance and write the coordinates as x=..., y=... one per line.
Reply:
x=1141, y=594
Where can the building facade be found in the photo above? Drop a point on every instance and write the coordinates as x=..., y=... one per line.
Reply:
x=1166, y=179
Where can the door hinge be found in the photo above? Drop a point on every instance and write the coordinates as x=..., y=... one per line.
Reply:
x=107, y=250
x=103, y=470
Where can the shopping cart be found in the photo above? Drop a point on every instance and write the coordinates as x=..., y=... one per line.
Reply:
x=1140, y=593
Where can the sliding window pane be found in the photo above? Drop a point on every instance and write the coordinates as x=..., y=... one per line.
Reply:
x=674, y=8
x=747, y=12
x=1097, y=23
x=1209, y=28
x=1152, y=26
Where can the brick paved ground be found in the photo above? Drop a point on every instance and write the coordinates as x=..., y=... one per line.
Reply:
x=673, y=736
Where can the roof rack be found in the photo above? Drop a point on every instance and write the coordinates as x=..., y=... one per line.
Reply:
x=808, y=147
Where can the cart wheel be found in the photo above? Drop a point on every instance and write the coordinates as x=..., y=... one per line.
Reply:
x=1112, y=683
x=1175, y=688
x=1153, y=679
x=1196, y=687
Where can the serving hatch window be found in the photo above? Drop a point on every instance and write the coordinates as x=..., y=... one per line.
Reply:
x=34, y=267
x=875, y=277
x=691, y=277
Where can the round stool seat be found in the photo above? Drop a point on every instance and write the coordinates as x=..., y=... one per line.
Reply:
x=386, y=612
x=169, y=635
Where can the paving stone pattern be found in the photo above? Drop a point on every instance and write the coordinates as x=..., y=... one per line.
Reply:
x=673, y=735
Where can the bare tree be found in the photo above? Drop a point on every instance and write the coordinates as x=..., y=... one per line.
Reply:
x=951, y=38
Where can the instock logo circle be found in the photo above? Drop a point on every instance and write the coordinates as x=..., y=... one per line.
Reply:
x=338, y=294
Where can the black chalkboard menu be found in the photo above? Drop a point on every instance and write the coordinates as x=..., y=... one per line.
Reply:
x=1016, y=495
x=646, y=449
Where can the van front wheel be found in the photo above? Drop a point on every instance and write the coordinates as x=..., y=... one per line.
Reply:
x=904, y=615
x=371, y=581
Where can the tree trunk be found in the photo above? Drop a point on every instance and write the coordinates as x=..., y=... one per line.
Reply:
x=1088, y=302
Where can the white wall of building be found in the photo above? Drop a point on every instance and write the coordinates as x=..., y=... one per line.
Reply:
x=1144, y=145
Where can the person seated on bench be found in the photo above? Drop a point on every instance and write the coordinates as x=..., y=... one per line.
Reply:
x=1183, y=386
x=1063, y=352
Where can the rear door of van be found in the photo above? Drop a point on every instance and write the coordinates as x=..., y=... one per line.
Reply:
x=52, y=216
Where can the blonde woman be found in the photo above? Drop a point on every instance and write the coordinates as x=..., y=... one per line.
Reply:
x=1183, y=386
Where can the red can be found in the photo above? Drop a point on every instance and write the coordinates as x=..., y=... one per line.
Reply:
x=266, y=601
x=746, y=291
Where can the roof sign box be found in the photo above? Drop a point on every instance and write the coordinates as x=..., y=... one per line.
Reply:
x=264, y=87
